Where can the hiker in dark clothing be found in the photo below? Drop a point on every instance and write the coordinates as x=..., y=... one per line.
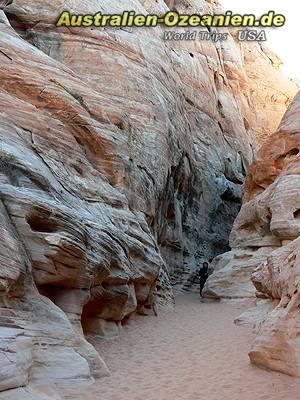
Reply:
x=203, y=275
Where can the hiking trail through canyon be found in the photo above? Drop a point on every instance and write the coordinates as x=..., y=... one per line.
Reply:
x=195, y=352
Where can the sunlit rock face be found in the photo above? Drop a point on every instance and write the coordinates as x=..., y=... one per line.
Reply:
x=266, y=234
x=277, y=345
x=122, y=159
x=271, y=91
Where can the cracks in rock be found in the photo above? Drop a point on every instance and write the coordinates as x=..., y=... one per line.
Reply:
x=9, y=167
x=6, y=55
x=115, y=239
x=147, y=173
x=20, y=26
x=35, y=149
x=17, y=23
x=56, y=177
x=72, y=93
x=25, y=275
x=220, y=108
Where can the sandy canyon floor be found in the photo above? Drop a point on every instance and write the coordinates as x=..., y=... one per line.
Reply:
x=193, y=353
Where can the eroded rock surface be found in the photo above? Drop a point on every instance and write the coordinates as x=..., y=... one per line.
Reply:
x=266, y=235
x=271, y=91
x=122, y=159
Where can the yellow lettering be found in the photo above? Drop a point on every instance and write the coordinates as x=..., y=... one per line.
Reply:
x=279, y=20
x=139, y=20
x=64, y=19
x=184, y=21
x=206, y=20
x=105, y=20
x=97, y=19
x=115, y=20
x=88, y=20
x=76, y=20
x=171, y=18
x=194, y=20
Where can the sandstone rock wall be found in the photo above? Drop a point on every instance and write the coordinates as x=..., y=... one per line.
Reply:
x=271, y=92
x=265, y=241
x=122, y=159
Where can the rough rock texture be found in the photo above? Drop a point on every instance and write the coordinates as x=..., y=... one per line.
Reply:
x=232, y=271
x=31, y=393
x=266, y=234
x=277, y=345
x=122, y=159
x=271, y=91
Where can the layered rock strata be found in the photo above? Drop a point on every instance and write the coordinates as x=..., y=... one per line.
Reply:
x=122, y=159
x=265, y=241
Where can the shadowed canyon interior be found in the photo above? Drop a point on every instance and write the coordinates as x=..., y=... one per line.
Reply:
x=122, y=164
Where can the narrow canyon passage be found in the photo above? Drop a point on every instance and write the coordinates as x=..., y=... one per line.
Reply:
x=193, y=353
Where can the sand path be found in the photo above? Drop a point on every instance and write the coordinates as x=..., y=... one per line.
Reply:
x=194, y=353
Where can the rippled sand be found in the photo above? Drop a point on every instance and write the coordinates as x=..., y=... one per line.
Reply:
x=193, y=353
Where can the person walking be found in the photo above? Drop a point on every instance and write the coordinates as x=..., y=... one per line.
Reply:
x=203, y=275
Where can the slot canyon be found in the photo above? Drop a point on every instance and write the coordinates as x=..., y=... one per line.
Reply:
x=126, y=161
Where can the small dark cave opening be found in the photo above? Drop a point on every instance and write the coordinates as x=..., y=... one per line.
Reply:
x=89, y=316
x=297, y=214
x=47, y=291
x=293, y=152
x=42, y=224
x=18, y=25
x=279, y=162
x=230, y=196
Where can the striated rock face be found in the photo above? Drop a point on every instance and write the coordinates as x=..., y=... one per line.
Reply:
x=277, y=345
x=271, y=92
x=122, y=159
x=266, y=234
